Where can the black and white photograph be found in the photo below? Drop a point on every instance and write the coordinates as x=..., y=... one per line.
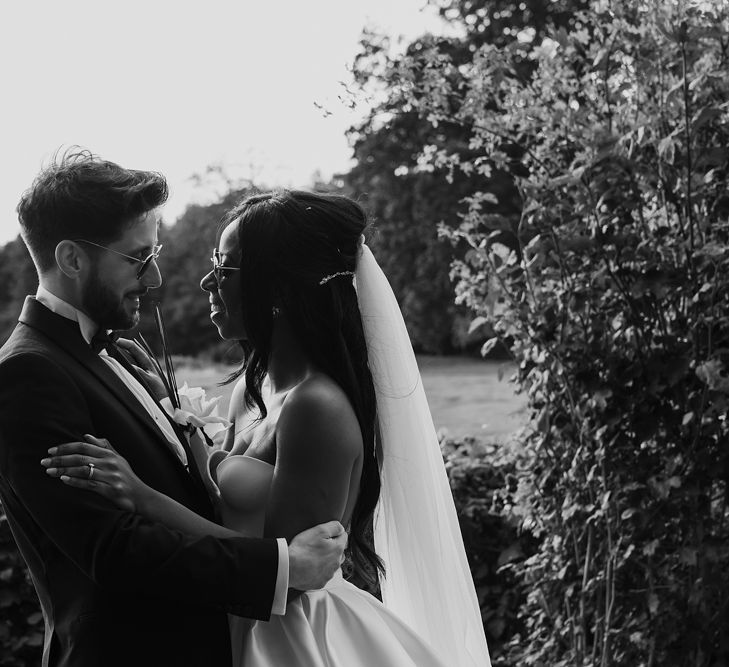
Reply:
x=383, y=334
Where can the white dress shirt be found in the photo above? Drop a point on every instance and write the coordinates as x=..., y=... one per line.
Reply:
x=88, y=329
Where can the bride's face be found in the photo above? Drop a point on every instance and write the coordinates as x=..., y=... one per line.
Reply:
x=224, y=288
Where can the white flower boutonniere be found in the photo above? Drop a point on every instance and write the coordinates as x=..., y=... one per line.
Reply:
x=196, y=410
x=189, y=406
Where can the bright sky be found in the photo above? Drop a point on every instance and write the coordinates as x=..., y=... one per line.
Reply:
x=176, y=85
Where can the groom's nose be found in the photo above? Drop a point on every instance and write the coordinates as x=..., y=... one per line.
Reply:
x=152, y=277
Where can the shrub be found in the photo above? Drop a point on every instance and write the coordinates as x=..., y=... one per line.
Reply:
x=483, y=479
x=21, y=630
x=612, y=293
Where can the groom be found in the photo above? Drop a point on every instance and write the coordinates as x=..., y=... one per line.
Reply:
x=115, y=588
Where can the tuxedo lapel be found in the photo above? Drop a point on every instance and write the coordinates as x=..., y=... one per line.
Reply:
x=120, y=355
x=66, y=335
x=194, y=472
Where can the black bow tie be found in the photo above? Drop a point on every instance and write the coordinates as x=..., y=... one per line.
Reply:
x=103, y=340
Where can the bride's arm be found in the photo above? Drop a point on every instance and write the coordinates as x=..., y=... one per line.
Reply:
x=318, y=442
x=114, y=479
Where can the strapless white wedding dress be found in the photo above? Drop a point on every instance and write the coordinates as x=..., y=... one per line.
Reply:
x=339, y=625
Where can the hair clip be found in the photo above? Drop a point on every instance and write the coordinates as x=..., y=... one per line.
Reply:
x=326, y=279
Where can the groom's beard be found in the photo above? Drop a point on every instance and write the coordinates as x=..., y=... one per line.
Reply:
x=104, y=307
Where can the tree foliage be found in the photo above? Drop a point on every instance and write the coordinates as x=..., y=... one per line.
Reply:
x=185, y=259
x=17, y=279
x=611, y=292
x=408, y=197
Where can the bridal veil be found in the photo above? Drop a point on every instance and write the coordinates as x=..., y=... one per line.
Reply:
x=428, y=582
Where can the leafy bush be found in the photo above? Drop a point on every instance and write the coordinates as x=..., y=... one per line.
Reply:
x=21, y=630
x=483, y=478
x=612, y=291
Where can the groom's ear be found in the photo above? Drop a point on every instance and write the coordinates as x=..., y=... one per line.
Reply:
x=70, y=258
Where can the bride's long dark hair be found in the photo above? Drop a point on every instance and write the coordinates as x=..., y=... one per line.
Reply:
x=290, y=241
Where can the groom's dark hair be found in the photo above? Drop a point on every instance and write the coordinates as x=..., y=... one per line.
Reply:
x=79, y=195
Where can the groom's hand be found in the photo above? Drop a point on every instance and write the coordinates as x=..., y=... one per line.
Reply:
x=144, y=366
x=315, y=555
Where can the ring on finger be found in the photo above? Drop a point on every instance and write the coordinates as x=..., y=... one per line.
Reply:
x=91, y=469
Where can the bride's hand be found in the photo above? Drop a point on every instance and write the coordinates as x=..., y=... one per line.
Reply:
x=95, y=465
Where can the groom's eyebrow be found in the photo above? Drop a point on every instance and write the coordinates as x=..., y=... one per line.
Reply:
x=141, y=250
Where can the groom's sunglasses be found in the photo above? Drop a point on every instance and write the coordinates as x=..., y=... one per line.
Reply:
x=219, y=268
x=144, y=263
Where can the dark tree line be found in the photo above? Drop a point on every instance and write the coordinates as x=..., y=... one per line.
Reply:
x=405, y=213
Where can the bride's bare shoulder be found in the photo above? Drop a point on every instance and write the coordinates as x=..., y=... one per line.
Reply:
x=319, y=411
x=319, y=393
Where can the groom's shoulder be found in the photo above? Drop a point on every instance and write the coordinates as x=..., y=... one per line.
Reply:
x=21, y=338
x=25, y=345
x=27, y=367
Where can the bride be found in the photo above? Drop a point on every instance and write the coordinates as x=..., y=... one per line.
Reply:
x=329, y=421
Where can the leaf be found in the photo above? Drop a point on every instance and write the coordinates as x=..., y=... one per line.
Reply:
x=606, y=499
x=703, y=116
x=533, y=243
x=687, y=418
x=476, y=323
x=711, y=373
x=489, y=345
x=674, y=482
x=667, y=149
x=512, y=552
x=650, y=548
x=34, y=618
x=602, y=54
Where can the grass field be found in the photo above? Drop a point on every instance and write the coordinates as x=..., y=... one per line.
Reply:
x=465, y=396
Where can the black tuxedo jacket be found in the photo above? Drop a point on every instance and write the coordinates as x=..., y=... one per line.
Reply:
x=115, y=588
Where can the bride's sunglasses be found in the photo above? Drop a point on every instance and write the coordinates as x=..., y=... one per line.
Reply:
x=219, y=269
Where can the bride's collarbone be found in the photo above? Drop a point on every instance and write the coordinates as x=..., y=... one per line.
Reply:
x=257, y=437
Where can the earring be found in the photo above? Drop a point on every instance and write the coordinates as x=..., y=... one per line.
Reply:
x=275, y=311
